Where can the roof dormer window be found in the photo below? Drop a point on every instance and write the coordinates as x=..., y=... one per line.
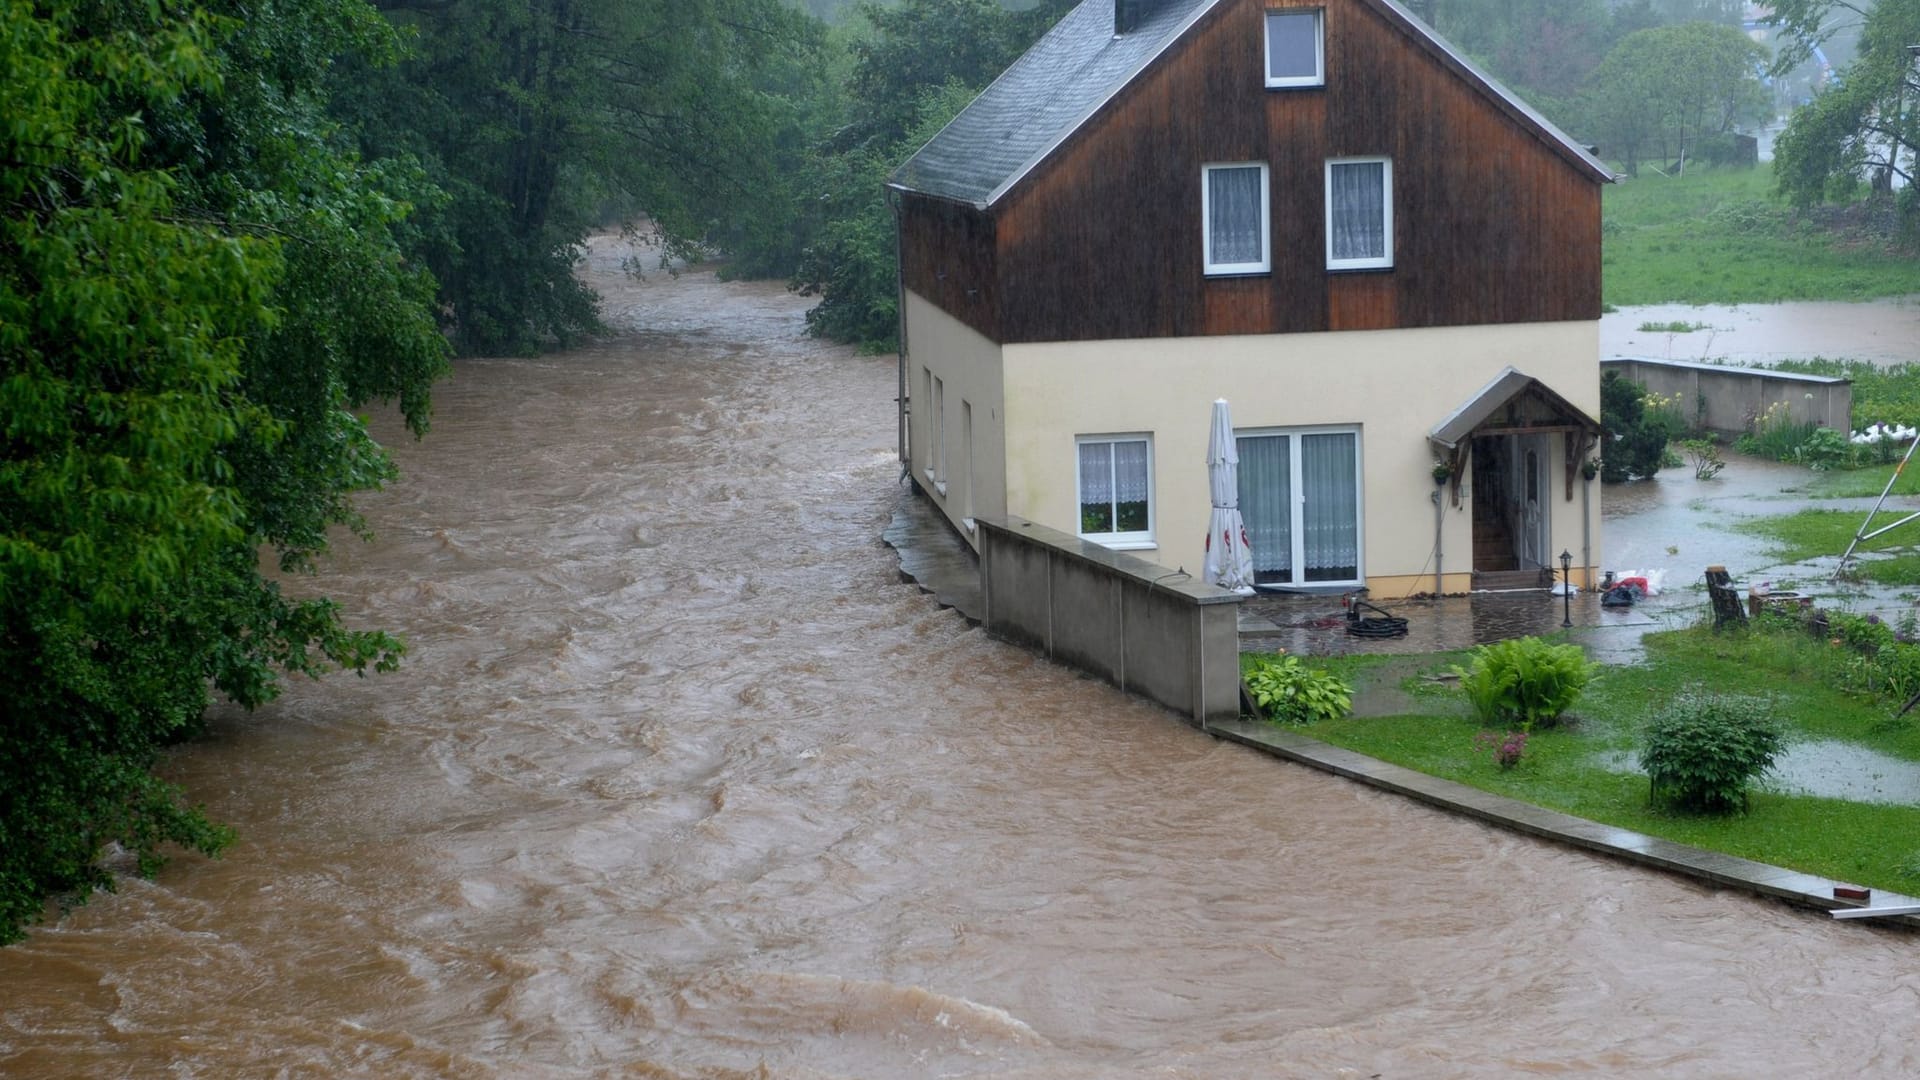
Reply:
x=1296, y=53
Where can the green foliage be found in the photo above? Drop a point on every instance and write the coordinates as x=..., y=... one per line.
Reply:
x=1635, y=442
x=1704, y=456
x=1882, y=395
x=924, y=61
x=538, y=119
x=1524, y=682
x=1702, y=750
x=198, y=285
x=1291, y=692
x=1864, y=129
x=1776, y=435
x=1720, y=236
x=1823, y=449
x=1661, y=90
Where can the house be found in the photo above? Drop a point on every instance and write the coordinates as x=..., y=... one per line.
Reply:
x=1322, y=212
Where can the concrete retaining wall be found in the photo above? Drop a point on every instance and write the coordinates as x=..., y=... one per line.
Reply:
x=1727, y=399
x=1145, y=628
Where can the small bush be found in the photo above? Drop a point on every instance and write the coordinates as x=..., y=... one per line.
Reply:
x=1524, y=682
x=1294, y=693
x=1704, y=456
x=1702, y=750
x=1824, y=449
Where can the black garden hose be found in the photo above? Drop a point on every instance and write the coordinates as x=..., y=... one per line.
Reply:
x=1378, y=625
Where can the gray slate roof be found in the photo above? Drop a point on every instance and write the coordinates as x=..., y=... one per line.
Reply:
x=1035, y=104
x=1078, y=67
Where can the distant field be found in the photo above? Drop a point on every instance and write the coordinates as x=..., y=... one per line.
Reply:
x=1719, y=237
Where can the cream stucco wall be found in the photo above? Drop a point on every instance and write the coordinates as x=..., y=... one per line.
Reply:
x=1395, y=385
x=969, y=366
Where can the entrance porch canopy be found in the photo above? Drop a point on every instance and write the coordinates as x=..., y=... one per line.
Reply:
x=1514, y=403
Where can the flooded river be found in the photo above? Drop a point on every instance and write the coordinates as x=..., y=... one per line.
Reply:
x=680, y=782
x=1883, y=331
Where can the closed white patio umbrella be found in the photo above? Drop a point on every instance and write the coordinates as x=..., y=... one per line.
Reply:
x=1229, y=556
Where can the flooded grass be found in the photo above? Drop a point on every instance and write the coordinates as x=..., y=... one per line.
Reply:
x=1891, y=558
x=1576, y=767
x=1720, y=237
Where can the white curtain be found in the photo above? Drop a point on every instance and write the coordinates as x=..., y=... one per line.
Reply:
x=1233, y=208
x=1096, y=474
x=1130, y=471
x=1358, y=222
x=1113, y=486
x=1266, y=504
x=1331, y=516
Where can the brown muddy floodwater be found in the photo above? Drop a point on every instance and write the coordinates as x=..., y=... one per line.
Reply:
x=680, y=781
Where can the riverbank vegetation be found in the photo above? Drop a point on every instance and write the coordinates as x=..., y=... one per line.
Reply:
x=1834, y=690
x=1725, y=236
x=200, y=283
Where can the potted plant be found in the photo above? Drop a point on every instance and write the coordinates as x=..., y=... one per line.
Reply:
x=1442, y=470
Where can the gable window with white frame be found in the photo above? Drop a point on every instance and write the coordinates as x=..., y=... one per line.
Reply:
x=1360, y=213
x=1300, y=498
x=1296, y=48
x=1233, y=210
x=1115, y=482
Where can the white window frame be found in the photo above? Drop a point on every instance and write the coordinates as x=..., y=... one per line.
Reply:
x=1206, y=221
x=937, y=460
x=1319, y=76
x=1118, y=541
x=966, y=456
x=1296, y=482
x=1384, y=261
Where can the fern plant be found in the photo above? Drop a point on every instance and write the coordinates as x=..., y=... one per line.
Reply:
x=1524, y=682
x=1291, y=692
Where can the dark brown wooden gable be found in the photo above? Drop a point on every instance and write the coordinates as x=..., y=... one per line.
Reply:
x=1102, y=240
x=946, y=256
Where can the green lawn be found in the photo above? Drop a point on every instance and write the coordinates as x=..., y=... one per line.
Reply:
x=1565, y=769
x=1718, y=236
x=1812, y=534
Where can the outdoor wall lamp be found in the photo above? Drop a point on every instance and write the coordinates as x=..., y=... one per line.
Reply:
x=1566, y=588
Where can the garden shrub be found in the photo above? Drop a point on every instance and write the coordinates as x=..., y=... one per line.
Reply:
x=1294, y=693
x=1524, y=682
x=1636, y=439
x=1702, y=750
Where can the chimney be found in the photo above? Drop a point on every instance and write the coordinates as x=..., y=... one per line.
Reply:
x=1128, y=14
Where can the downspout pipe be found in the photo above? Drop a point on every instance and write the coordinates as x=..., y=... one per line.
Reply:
x=900, y=316
x=1586, y=524
x=1439, y=527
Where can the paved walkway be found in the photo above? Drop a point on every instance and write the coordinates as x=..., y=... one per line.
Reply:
x=933, y=556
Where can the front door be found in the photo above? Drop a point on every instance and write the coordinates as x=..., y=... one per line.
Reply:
x=1300, y=499
x=1510, y=503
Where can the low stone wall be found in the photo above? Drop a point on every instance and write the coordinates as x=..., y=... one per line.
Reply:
x=1726, y=399
x=1145, y=628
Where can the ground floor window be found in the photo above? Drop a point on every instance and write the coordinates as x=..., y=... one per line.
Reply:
x=1300, y=498
x=1116, y=489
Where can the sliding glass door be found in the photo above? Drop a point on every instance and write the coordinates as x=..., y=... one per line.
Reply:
x=1300, y=498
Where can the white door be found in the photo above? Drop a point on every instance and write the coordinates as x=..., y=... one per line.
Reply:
x=1300, y=499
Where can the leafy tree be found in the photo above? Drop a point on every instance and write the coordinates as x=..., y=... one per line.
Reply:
x=538, y=115
x=925, y=60
x=852, y=263
x=1662, y=90
x=1865, y=129
x=1635, y=443
x=197, y=286
x=1544, y=49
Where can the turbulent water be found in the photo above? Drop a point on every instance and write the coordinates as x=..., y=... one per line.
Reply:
x=679, y=781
